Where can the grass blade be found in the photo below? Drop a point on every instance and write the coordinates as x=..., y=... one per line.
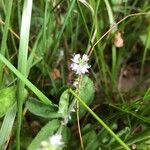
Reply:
x=22, y=63
x=4, y=38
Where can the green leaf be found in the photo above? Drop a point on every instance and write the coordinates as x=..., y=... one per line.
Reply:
x=86, y=93
x=7, y=125
x=44, y=133
x=66, y=134
x=92, y=142
x=7, y=99
x=41, y=109
x=63, y=104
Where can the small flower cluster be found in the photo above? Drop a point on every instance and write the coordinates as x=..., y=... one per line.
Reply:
x=79, y=64
x=53, y=143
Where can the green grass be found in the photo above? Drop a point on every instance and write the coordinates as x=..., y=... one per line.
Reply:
x=37, y=41
x=22, y=63
x=4, y=38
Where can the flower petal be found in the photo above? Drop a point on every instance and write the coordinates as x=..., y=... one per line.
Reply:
x=85, y=57
x=76, y=58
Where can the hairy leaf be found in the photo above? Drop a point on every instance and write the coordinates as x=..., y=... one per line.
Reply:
x=63, y=103
x=7, y=99
x=40, y=109
x=86, y=93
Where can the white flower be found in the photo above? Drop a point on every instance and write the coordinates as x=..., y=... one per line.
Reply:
x=85, y=57
x=56, y=140
x=76, y=58
x=80, y=65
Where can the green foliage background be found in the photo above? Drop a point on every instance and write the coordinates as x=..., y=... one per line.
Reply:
x=37, y=40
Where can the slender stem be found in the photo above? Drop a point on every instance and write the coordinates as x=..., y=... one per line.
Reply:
x=114, y=52
x=100, y=121
x=79, y=128
x=78, y=112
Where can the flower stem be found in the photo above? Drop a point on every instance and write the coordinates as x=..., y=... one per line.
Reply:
x=78, y=115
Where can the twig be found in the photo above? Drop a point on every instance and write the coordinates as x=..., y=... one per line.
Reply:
x=111, y=28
